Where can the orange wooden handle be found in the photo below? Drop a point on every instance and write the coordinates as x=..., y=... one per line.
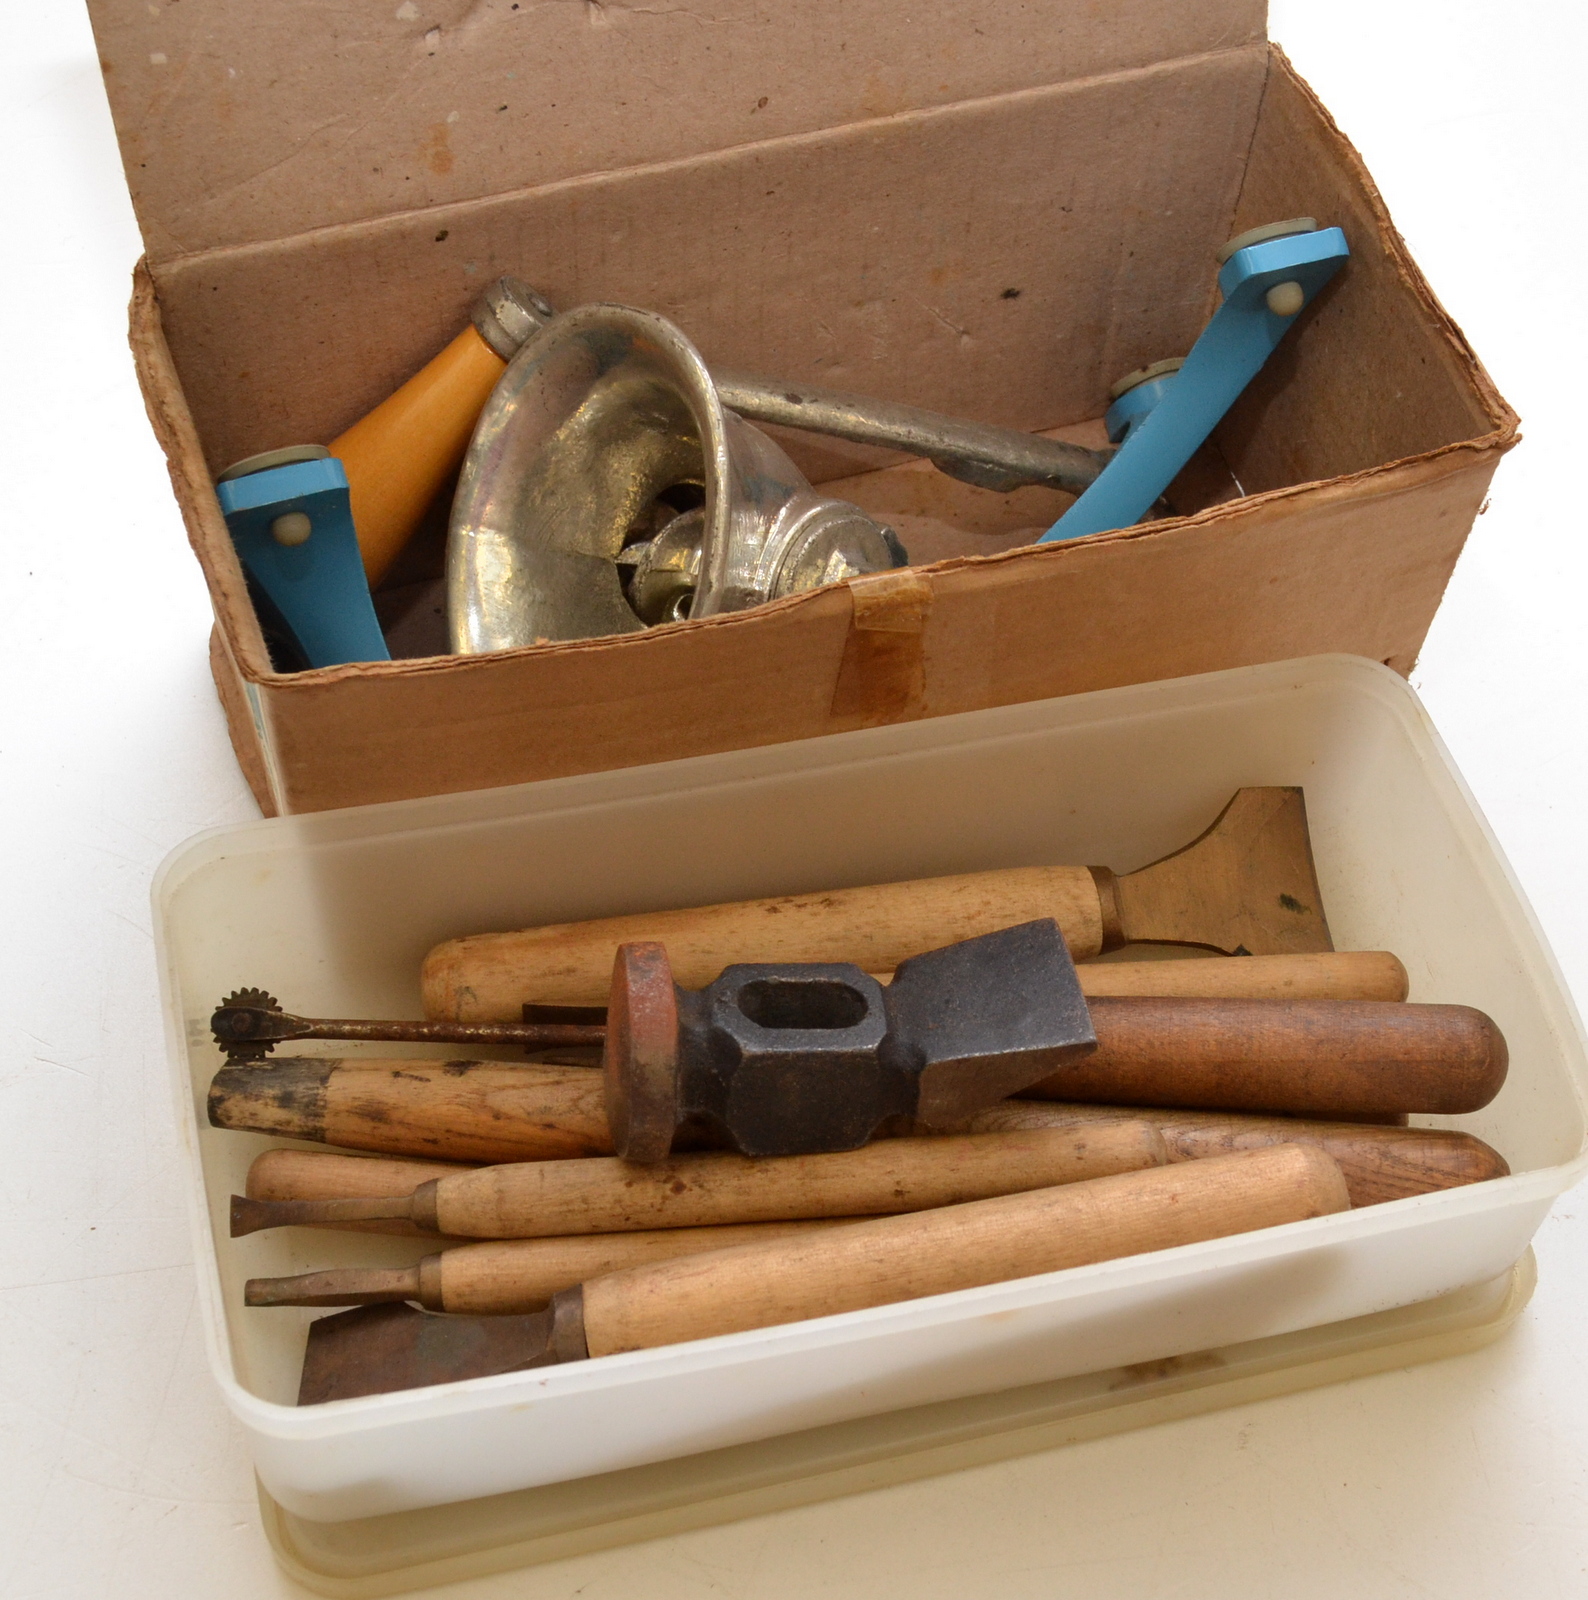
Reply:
x=399, y=456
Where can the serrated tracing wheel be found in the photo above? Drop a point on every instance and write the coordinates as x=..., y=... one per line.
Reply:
x=245, y=1050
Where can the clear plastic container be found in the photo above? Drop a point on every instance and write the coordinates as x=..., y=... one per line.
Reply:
x=333, y=913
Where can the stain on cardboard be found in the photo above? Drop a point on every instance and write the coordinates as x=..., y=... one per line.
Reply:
x=436, y=151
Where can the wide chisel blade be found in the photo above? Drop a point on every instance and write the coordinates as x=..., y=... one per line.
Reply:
x=378, y=1349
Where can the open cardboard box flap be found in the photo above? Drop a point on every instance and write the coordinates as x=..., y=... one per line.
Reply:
x=989, y=210
x=243, y=124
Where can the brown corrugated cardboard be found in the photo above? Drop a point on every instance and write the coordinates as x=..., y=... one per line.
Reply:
x=244, y=123
x=998, y=236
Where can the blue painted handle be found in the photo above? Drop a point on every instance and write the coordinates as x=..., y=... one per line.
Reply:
x=318, y=586
x=1159, y=438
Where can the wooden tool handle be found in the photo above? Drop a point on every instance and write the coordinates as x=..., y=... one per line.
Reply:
x=1327, y=975
x=498, y=987
x=489, y=977
x=508, y=1276
x=901, y=1258
x=457, y=1110
x=540, y=1199
x=1379, y=1163
x=398, y=457
x=1316, y=1057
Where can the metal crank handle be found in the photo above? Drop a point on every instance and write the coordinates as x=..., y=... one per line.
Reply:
x=1000, y=459
x=978, y=453
x=1161, y=414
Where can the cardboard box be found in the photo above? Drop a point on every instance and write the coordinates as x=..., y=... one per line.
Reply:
x=987, y=210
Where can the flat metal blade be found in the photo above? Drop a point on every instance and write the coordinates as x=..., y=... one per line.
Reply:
x=382, y=1348
x=1245, y=886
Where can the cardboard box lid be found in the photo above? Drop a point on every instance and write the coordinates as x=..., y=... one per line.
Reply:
x=243, y=122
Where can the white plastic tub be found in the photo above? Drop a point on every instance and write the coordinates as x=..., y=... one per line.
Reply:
x=333, y=913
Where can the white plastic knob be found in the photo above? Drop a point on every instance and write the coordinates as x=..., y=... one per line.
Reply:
x=1286, y=299
x=291, y=527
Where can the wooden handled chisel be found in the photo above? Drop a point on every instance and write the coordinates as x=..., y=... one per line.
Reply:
x=542, y=1199
x=379, y=1348
x=505, y=1276
x=1245, y=885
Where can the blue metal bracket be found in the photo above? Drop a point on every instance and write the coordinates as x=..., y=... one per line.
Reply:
x=1161, y=422
x=293, y=529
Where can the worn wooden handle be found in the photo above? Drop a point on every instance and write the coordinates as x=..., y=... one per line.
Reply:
x=1315, y=1057
x=1379, y=1163
x=900, y=1258
x=398, y=457
x=450, y=1110
x=539, y=1199
x=491, y=975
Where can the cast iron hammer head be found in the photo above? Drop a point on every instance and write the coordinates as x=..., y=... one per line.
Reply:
x=795, y=1059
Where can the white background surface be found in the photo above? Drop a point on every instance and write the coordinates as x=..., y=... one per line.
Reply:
x=120, y=1472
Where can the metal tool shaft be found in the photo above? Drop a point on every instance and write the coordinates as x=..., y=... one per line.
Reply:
x=978, y=453
x=251, y=1029
x=1001, y=459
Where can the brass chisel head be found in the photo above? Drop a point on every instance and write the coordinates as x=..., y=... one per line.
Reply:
x=1247, y=886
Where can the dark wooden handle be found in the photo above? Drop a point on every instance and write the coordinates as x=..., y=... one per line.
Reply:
x=1316, y=1057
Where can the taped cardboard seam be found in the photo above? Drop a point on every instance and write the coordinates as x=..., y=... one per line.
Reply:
x=882, y=676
